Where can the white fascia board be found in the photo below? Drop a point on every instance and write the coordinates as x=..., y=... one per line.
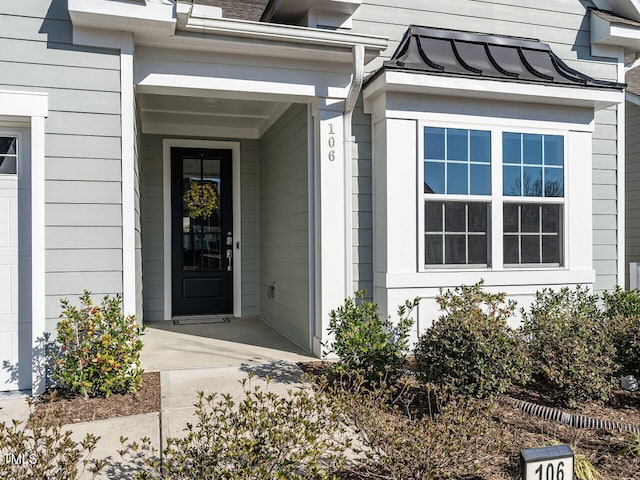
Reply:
x=626, y=8
x=286, y=33
x=152, y=16
x=605, y=33
x=394, y=81
x=24, y=104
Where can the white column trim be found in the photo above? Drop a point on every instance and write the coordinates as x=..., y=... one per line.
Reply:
x=127, y=119
x=621, y=180
x=38, y=287
x=167, y=144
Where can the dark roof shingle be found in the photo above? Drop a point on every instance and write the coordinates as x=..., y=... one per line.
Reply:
x=237, y=9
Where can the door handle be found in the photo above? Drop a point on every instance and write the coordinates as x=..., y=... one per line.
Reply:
x=229, y=259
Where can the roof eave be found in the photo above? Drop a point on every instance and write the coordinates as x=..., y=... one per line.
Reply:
x=605, y=33
x=385, y=81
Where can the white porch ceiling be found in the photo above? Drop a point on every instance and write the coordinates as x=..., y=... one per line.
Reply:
x=207, y=117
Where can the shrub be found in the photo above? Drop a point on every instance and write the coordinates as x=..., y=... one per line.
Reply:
x=571, y=350
x=263, y=437
x=622, y=308
x=397, y=441
x=40, y=449
x=621, y=302
x=366, y=343
x=98, y=349
x=471, y=347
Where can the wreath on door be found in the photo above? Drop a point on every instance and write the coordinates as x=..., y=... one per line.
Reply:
x=200, y=199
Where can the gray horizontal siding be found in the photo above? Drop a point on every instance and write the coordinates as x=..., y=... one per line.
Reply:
x=284, y=233
x=82, y=146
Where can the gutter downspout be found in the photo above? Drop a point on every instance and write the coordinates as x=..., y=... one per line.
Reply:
x=350, y=103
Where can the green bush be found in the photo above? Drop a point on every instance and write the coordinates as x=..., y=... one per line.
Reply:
x=571, y=351
x=263, y=437
x=471, y=347
x=622, y=309
x=621, y=302
x=40, y=449
x=366, y=343
x=97, y=350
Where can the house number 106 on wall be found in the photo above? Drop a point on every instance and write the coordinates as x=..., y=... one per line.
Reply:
x=332, y=143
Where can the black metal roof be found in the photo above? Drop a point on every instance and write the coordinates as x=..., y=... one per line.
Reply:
x=458, y=53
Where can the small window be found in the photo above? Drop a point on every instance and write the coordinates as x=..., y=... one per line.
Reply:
x=8, y=155
x=532, y=233
x=456, y=233
x=457, y=161
x=533, y=165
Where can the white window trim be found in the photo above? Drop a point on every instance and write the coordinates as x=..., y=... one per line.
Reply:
x=496, y=199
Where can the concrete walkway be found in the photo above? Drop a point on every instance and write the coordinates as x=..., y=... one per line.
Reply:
x=190, y=358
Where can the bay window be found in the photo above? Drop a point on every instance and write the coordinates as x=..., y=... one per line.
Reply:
x=470, y=174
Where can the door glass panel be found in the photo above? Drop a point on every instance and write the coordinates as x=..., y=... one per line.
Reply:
x=201, y=237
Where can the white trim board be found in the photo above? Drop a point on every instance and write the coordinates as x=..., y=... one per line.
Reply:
x=34, y=107
x=167, y=144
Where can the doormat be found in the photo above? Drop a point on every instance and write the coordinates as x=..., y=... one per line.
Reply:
x=200, y=319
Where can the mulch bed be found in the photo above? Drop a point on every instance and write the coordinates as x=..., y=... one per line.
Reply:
x=67, y=408
x=514, y=430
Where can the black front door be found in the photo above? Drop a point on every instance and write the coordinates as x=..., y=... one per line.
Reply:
x=202, y=238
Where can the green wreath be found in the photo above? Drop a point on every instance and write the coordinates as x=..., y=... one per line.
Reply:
x=200, y=199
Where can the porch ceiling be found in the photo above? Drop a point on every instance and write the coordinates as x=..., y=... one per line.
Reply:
x=207, y=116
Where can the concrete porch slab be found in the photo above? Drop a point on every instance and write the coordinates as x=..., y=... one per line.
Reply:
x=243, y=340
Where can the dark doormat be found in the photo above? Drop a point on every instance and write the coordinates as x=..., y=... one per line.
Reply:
x=200, y=319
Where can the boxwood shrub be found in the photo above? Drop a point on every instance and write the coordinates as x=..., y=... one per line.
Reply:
x=471, y=346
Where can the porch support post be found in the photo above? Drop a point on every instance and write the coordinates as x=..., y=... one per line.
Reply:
x=330, y=214
x=127, y=100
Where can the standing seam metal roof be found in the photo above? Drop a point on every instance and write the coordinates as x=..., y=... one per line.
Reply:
x=477, y=55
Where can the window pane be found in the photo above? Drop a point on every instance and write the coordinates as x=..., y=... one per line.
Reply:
x=433, y=217
x=478, y=250
x=434, y=143
x=553, y=182
x=457, y=178
x=480, y=179
x=532, y=182
x=455, y=217
x=530, y=249
x=457, y=144
x=480, y=149
x=455, y=250
x=550, y=249
x=478, y=217
x=510, y=217
x=8, y=165
x=551, y=218
x=511, y=248
x=8, y=145
x=511, y=148
x=553, y=150
x=511, y=183
x=530, y=218
x=433, y=177
x=433, y=250
x=532, y=149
